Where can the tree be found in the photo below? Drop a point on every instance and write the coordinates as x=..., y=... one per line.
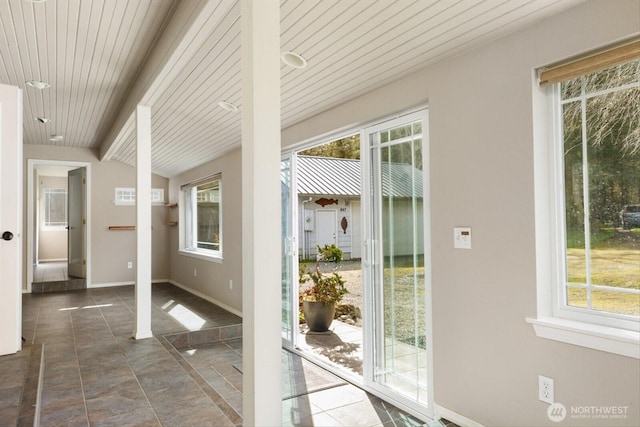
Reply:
x=343, y=148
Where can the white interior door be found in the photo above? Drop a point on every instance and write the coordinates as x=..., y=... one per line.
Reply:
x=76, y=236
x=10, y=219
x=326, y=227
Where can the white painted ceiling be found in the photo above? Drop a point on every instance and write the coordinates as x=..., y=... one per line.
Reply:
x=103, y=57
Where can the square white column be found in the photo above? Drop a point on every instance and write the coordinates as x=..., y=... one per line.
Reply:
x=143, y=223
x=261, y=214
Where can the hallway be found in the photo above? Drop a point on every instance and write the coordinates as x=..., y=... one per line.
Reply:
x=189, y=373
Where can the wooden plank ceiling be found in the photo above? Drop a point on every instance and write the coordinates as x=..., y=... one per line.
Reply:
x=102, y=57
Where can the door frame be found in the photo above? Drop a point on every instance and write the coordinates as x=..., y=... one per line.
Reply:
x=365, y=257
x=369, y=263
x=32, y=165
x=290, y=249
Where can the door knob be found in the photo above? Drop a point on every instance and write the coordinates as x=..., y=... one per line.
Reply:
x=7, y=235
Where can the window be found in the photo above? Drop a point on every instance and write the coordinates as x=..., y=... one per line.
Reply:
x=591, y=250
x=55, y=207
x=599, y=116
x=127, y=196
x=203, y=217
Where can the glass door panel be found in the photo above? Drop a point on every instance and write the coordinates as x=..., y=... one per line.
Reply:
x=289, y=250
x=400, y=333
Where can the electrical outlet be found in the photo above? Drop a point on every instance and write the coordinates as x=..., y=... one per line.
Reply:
x=230, y=284
x=130, y=264
x=195, y=272
x=545, y=389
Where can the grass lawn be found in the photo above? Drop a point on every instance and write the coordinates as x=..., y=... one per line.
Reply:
x=611, y=267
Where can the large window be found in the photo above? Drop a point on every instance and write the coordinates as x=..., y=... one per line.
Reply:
x=588, y=188
x=600, y=119
x=203, y=217
x=55, y=207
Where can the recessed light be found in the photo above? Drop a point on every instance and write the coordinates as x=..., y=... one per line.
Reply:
x=42, y=119
x=38, y=84
x=227, y=106
x=293, y=59
x=56, y=138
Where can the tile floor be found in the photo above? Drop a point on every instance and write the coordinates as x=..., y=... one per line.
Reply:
x=189, y=373
x=53, y=277
x=50, y=272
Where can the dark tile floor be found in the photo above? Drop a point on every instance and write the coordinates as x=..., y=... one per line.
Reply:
x=188, y=374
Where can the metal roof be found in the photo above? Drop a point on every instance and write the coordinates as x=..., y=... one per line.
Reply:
x=341, y=177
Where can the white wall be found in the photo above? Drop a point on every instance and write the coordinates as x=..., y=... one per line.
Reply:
x=486, y=358
x=212, y=278
x=111, y=250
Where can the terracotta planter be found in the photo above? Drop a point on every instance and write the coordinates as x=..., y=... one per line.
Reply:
x=317, y=315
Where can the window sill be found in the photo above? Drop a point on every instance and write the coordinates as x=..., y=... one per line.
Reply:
x=603, y=338
x=200, y=255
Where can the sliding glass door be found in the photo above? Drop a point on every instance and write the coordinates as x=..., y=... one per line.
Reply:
x=289, y=250
x=397, y=263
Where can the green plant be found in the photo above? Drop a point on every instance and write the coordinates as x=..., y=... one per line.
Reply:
x=329, y=253
x=328, y=288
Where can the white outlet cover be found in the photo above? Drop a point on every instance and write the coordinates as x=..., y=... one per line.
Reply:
x=462, y=237
x=545, y=390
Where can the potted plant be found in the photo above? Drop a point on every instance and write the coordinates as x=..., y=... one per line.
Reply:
x=319, y=299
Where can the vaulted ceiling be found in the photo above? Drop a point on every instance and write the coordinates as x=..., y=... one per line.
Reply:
x=103, y=57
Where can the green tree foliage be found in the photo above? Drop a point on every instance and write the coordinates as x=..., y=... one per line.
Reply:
x=612, y=129
x=344, y=148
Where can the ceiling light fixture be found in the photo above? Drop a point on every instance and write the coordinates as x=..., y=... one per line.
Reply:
x=227, y=106
x=37, y=84
x=293, y=59
x=42, y=119
x=56, y=138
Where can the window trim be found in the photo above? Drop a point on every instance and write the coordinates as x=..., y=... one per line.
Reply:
x=185, y=222
x=554, y=321
x=46, y=193
x=118, y=191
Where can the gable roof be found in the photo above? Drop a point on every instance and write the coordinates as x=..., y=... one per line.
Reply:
x=342, y=177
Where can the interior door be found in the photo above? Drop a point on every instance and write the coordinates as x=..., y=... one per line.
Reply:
x=398, y=261
x=289, y=250
x=10, y=219
x=76, y=236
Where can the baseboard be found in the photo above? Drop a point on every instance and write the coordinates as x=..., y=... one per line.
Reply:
x=454, y=417
x=206, y=297
x=108, y=285
x=44, y=261
x=112, y=284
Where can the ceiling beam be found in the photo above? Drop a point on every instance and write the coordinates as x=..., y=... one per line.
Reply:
x=184, y=34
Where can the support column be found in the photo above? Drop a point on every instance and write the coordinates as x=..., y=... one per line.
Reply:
x=261, y=214
x=143, y=223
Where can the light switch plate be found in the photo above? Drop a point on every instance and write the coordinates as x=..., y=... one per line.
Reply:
x=462, y=237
